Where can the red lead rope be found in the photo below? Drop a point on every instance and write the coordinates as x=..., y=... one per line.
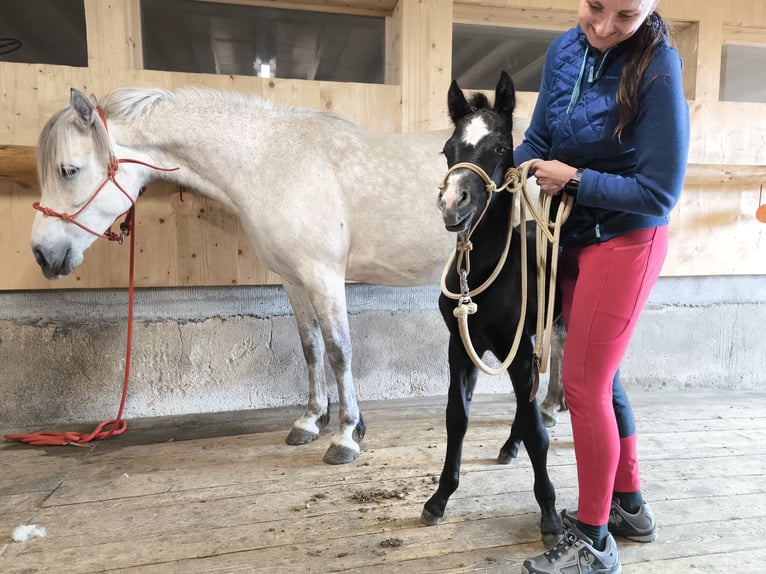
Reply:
x=115, y=426
x=118, y=426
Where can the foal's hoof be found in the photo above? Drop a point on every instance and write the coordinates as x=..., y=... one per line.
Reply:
x=508, y=452
x=429, y=518
x=550, y=539
x=338, y=454
x=300, y=436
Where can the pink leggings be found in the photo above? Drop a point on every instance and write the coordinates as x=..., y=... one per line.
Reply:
x=603, y=289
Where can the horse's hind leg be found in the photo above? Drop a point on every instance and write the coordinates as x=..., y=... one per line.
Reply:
x=554, y=398
x=462, y=381
x=317, y=414
x=329, y=301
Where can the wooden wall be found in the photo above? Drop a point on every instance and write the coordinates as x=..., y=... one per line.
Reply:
x=714, y=230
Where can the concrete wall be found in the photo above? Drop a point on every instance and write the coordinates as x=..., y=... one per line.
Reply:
x=62, y=353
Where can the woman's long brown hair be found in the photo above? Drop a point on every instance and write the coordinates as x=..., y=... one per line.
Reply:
x=651, y=34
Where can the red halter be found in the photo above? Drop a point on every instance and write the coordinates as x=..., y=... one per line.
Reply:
x=117, y=425
x=114, y=165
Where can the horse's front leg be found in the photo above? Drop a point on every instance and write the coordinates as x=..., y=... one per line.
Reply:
x=317, y=414
x=463, y=375
x=329, y=303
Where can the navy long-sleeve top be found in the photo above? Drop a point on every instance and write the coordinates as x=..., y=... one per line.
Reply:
x=627, y=184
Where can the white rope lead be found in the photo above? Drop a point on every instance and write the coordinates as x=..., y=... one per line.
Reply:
x=547, y=233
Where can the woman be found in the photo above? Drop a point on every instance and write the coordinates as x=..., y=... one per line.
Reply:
x=611, y=126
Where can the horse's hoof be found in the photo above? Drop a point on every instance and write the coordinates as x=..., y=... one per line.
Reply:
x=550, y=539
x=360, y=429
x=338, y=454
x=429, y=518
x=300, y=436
x=549, y=420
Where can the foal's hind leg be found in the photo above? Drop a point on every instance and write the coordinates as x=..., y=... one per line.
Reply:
x=463, y=375
x=317, y=414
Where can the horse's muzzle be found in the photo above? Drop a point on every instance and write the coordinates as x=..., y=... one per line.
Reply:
x=52, y=269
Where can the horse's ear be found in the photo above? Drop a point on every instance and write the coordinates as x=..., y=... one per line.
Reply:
x=82, y=106
x=457, y=104
x=505, y=96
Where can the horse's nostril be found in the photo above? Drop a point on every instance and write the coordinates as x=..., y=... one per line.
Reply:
x=39, y=257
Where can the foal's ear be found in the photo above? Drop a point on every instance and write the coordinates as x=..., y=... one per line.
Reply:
x=82, y=106
x=457, y=104
x=505, y=96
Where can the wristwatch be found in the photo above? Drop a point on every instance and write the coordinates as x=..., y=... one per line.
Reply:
x=573, y=185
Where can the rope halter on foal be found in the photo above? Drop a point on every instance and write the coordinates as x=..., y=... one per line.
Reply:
x=547, y=232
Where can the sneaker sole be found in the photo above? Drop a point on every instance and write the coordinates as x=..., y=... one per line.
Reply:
x=651, y=537
x=644, y=538
x=617, y=571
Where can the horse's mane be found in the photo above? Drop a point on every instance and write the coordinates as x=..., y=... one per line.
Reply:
x=134, y=103
x=55, y=141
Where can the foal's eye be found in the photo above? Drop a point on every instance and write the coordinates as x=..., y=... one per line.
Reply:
x=501, y=150
x=68, y=171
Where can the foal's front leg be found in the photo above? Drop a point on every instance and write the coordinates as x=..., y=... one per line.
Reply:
x=463, y=375
x=529, y=427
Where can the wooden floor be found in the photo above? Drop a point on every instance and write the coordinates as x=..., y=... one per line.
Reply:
x=223, y=493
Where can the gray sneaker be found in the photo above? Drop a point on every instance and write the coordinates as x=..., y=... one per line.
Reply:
x=575, y=554
x=640, y=527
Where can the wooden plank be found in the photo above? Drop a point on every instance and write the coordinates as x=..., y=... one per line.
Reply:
x=426, y=45
x=248, y=503
x=546, y=18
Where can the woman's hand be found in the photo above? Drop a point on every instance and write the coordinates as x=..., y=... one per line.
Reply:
x=553, y=175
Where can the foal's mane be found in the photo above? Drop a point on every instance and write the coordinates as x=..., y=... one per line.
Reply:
x=479, y=101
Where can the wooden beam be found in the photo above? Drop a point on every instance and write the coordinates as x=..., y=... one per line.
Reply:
x=713, y=174
x=357, y=7
x=18, y=163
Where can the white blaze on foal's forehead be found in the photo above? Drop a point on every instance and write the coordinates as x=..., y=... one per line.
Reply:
x=474, y=131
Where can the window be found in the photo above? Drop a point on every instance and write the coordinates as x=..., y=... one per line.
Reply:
x=43, y=32
x=480, y=53
x=219, y=38
x=742, y=79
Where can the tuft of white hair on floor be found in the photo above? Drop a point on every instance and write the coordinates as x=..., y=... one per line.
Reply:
x=26, y=531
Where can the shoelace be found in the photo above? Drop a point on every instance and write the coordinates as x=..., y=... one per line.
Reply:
x=569, y=540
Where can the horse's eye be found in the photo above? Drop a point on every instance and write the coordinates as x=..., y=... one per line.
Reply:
x=68, y=171
x=500, y=150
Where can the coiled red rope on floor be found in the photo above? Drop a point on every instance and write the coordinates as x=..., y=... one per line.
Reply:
x=116, y=426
